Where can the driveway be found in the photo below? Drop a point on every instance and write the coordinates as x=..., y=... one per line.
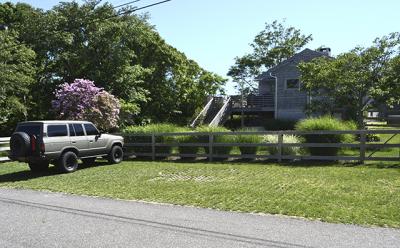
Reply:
x=42, y=219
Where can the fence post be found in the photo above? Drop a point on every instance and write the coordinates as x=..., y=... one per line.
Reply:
x=362, y=146
x=153, y=146
x=210, y=147
x=280, y=141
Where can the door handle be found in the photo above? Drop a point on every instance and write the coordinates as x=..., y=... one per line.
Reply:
x=73, y=142
x=91, y=141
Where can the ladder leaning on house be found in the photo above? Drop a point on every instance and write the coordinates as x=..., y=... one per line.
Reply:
x=215, y=113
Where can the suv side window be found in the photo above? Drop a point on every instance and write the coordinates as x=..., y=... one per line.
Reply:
x=57, y=130
x=90, y=129
x=71, y=130
x=78, y=130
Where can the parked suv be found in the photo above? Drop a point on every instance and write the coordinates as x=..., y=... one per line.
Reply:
x=62, y=143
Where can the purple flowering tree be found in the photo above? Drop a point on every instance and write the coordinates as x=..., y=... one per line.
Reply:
x=82, y=100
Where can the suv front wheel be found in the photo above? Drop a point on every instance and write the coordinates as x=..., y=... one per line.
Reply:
x=68, y=162
x=116, y=154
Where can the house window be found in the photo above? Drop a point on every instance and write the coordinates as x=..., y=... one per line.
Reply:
x=292, y=84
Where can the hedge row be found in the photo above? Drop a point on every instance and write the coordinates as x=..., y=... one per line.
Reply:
x=321, y=123
x=204, y=139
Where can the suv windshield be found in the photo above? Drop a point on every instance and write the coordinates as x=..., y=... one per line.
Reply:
x=29, y=129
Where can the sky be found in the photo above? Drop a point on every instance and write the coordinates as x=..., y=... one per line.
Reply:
x=214, y=32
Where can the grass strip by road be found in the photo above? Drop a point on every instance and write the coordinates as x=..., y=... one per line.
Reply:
x=367, y=195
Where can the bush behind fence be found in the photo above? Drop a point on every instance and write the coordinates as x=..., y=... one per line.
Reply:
x=277, y=145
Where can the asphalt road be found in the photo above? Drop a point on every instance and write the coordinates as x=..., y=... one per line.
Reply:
x=41, y=219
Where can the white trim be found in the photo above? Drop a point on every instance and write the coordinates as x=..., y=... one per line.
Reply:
x=202, y=112
x=276, y=96
x=216, y=120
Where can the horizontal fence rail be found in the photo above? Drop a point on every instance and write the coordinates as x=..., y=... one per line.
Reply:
x=4, y=148
x=157, y=143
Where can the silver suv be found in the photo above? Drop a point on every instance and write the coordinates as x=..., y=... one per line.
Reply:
x=62, y=143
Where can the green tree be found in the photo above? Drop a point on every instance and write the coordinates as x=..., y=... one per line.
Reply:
x=17, y=73
x=271, y=46
x=354, y=80
x=122, y=53
x=391, y=82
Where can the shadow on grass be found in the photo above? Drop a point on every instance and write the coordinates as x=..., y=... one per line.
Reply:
x=387, y=166
x=266, y=162
x=52, y=171
x=249, y=162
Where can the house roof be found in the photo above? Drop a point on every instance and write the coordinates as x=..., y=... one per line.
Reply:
x=304, y=56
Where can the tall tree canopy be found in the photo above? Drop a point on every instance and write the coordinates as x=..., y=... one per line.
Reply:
x=270, y=47
x=122, y=53
x=355, y=80
x=17, y=75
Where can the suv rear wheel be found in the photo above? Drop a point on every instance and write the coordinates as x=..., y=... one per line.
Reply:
x=38, y=166
x=68, y=162
x=116, y=154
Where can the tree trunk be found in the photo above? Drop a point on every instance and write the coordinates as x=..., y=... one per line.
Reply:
x=360, y=111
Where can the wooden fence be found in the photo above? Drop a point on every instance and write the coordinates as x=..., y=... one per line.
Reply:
x=4, y=147
x=155, y=142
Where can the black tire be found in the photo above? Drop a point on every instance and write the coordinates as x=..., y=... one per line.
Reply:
x=39, y=166
x=68, y=162
x=116, y=154
x=88, y=161
x=19, y=144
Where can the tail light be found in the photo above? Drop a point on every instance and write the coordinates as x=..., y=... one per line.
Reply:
x=42, y=148
x=33, y=143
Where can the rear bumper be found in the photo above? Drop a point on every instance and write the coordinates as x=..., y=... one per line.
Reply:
x=37, y=158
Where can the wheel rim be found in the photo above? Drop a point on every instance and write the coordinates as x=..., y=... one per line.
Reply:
x=70, y=162
x=117, y=155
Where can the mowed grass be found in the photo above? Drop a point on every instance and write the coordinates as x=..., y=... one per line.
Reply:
x=367, y=195
x=381, y=152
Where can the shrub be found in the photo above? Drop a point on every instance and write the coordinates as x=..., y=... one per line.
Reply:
x=149, y=129
x=248, y=139
x=234, y=122
x=220, y=150
x=279, y=124
x=325, y=123
x=292, y=150
x=188, y=149
x=370, y=137
x=82, y=100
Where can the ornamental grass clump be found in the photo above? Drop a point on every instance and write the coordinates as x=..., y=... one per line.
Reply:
x=248, y=139
x=217, y=150
x=327, y=123
x=188, y=139
x=146, y=138
x=289, y=150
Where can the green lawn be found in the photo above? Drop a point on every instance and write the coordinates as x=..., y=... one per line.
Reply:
x=368, y=195
x=385, y=152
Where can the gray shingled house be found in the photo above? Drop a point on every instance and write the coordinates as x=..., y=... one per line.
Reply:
x=279, y=94
x=283, y=83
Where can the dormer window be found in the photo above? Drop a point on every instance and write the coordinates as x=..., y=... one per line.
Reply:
x=292, y=84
